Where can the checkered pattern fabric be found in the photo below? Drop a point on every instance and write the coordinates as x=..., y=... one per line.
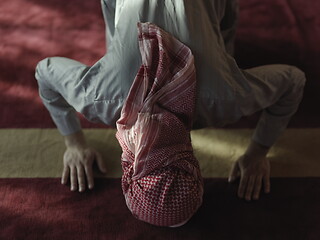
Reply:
x=161, y=180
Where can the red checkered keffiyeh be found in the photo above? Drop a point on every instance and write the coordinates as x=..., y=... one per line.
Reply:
x=161, y=179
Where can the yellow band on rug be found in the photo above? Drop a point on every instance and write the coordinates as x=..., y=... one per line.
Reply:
x=32, y=153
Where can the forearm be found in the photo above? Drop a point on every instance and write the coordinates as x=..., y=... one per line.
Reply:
x=270, y=127
x=63, y=115
x=68, y=123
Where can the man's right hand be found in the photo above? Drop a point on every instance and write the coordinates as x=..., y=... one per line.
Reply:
x=78, y=160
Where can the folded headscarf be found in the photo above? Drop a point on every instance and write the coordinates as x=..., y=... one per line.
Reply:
x=161, y=179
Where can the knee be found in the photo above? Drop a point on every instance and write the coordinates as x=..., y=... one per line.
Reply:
x=298, y=80
x=42, y=70
x=44, y=76
x=298, y=77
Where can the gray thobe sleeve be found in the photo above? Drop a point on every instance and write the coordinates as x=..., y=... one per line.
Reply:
x=62, y=93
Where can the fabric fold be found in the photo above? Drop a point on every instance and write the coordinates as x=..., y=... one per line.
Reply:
x=159, y=167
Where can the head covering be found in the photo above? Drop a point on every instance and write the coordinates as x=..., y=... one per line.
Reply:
x=161, y=179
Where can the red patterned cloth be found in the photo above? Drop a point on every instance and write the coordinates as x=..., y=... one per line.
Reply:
x=161, y=178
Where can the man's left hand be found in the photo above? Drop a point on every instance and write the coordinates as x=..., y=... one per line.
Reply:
x=254, y=171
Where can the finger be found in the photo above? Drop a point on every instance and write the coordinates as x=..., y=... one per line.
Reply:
x=234, y=173
x=242, y=186
x=89, y=174
x=65, y=175
x=266, y=181
x=250, y=187
x=257, y=188
x=81, y=179
x=101, y=164
x=73, y=178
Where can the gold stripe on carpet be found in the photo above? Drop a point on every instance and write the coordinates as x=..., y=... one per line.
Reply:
x=34, y=153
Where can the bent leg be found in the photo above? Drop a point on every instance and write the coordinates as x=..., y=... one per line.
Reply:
x=62, y=91
x=278, y=90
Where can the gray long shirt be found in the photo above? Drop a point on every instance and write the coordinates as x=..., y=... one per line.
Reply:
x=225, y=93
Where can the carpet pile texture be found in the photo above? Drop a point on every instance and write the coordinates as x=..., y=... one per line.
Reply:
x=43, y=209
x=33, y=203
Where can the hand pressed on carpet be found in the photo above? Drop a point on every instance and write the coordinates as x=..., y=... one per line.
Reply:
x=78, y=160
x=254, y=171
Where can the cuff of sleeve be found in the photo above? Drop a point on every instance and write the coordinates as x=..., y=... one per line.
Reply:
x=67, y=124
x=269, y=128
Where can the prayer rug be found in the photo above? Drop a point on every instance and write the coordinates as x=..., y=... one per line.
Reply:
x=33, y=203
x=44, y=209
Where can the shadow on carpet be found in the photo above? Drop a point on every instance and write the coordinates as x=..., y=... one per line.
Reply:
x=44, y=209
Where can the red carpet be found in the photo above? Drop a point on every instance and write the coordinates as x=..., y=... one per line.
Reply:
x=73, y=29
x=273, y=31
x=44, y=209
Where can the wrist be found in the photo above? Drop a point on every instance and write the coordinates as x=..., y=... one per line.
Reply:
x=256, y=149
x=75, y=140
